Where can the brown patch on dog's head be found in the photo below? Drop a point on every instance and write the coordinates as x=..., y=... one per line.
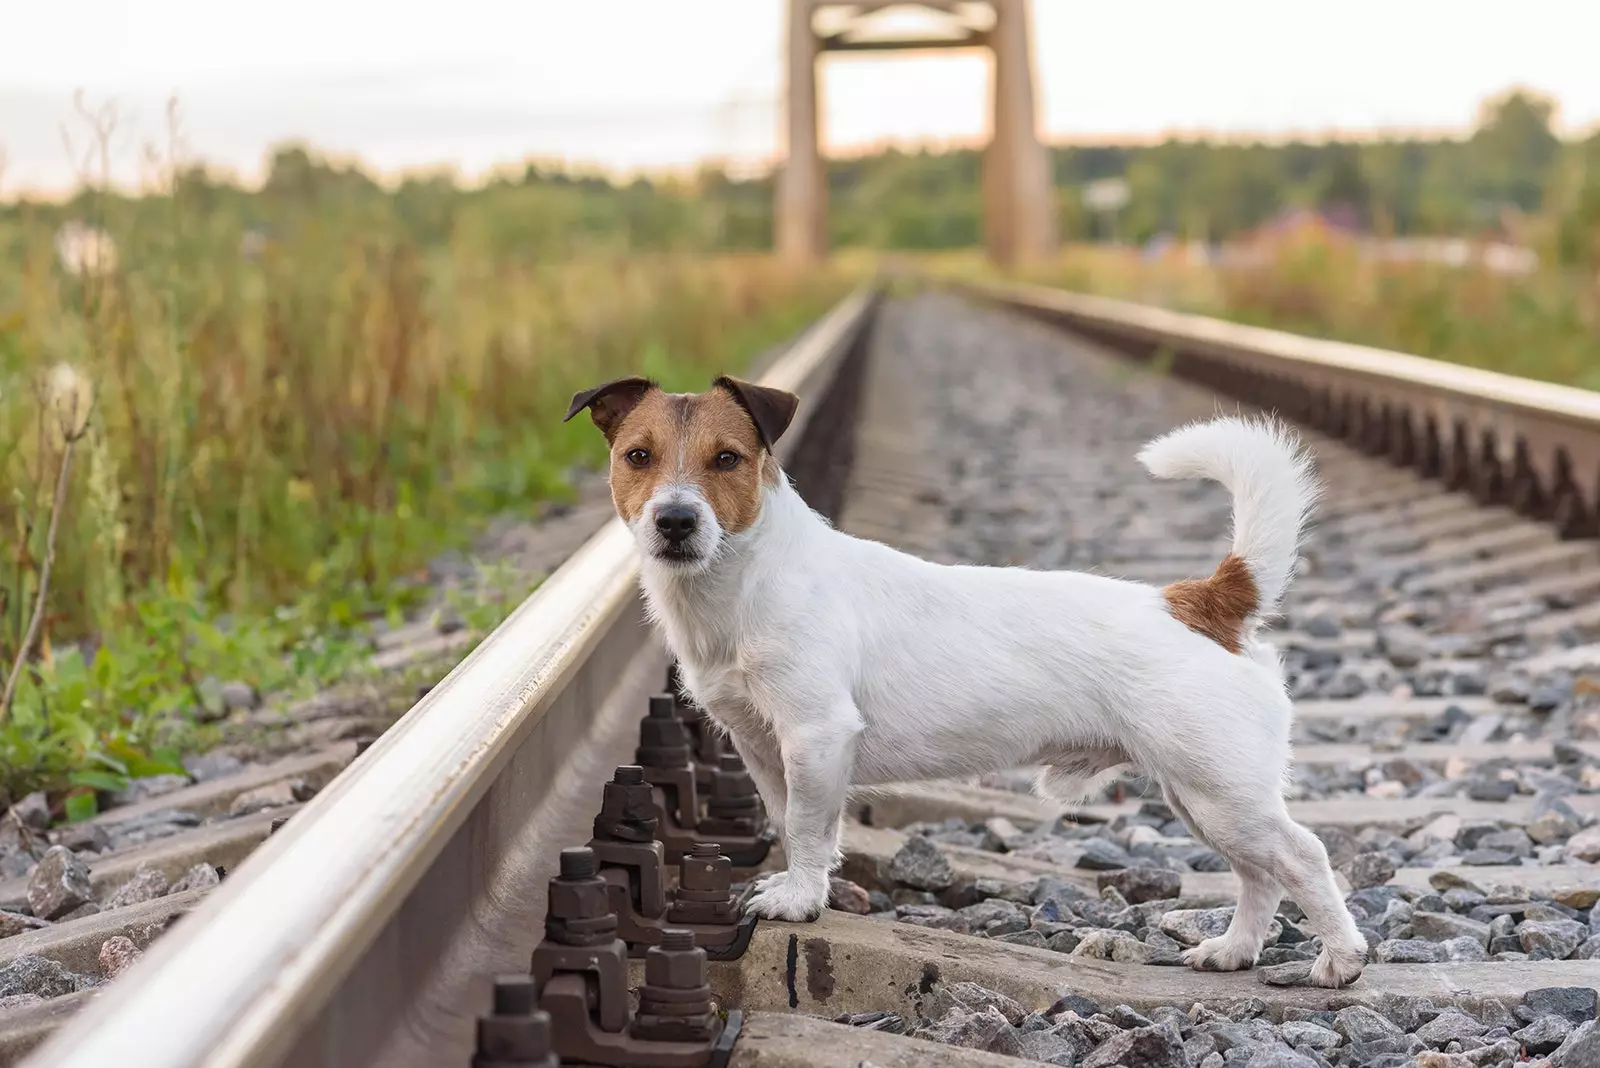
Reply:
x=718, y=442
x=1217, y=606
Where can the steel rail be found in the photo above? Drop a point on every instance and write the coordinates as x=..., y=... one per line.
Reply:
x=1534, y=446
x=367, y=930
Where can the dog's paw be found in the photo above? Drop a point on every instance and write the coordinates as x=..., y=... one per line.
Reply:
x=837, y=862
x=1222, y=954
x=1334, y=970
x=782, y=897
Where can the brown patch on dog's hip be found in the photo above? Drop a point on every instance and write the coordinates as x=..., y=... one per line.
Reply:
x=1217, y=606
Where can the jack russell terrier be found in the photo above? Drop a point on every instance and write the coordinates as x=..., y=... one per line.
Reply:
x=832, y=661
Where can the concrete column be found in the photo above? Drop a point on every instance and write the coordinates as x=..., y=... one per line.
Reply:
x=802, y=208
x=1020, y=224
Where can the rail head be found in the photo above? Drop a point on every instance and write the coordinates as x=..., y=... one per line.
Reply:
x=236, y=980
x=1532, y=445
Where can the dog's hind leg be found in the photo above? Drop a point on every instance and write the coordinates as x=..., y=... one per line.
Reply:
x=1259, y=895
x=1253, y=831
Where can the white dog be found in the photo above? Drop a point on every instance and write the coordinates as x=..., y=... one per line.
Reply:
x=834, y=661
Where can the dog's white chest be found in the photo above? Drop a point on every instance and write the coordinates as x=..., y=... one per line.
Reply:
x=722, y=690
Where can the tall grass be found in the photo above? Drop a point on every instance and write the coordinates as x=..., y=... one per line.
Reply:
x=1544, y=324
x=284, y=428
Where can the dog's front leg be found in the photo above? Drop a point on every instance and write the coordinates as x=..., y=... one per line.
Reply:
x=763, y=760
x=817, y=761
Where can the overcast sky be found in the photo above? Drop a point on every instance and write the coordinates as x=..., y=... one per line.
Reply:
x=661, y=83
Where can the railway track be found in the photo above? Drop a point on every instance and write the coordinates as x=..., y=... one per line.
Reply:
x=382, y=903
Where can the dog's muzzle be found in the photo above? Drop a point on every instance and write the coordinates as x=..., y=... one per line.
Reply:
x=679, y=531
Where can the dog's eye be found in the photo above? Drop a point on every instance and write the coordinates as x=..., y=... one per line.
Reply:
x=726, y=460
x=639, y=457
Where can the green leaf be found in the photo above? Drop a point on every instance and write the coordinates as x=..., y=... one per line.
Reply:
x=99, y=780
x=82, y=806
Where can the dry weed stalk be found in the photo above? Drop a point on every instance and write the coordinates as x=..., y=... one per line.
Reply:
x=68, y=397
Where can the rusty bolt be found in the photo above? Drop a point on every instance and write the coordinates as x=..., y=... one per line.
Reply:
x=663, y=740
x=627, y=808
x=733, y=792
x=517, y=1032
x=579, y=912
x=677, y=964
x=705, y=874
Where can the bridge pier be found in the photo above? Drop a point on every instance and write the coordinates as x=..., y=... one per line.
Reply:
x=1018, y=204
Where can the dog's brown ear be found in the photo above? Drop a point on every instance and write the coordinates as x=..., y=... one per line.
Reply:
x=610, y=402
x=771, y=410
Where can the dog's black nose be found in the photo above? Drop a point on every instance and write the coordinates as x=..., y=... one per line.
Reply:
x=675, y=522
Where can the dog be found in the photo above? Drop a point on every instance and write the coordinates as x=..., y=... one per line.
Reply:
x=832, y=661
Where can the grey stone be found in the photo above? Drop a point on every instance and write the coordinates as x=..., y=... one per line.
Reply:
x=59, y=884
x=1544, y=1034
x=986, y=1030
x=970, y=997
x=147, y=884
x=33, y=811
x=199, y=877
x=1580, y=1051
x=890, y=1022
x=1246, y=1033
x=1023, y=938
x=277, y=795
x=1441, y=926
x=1491, y=790
x=1147, y=1047
x=214, y=765
x=1193, y=926
x=1049, y=1047
x=1559, y=938
x=1068, y=941
x=1076, y=1003
x=1575, y=1003
x=843, y=895
x=1112, y=945
x=946, y=920
x=15, y=923
x=1465, y=948
x=148, y=787
x=33, y=974
x=239, y=696
x=920, y=864
x=17, y=1001
x=1450, y=1026
x=1306, y=1033
x=83, y=838
x=1140, y=884
x=117, y=955
x=1101, y=855
x=1279, y=1057
x=1514, y=841
x=1410, y=951
x=995, y=917
x=1370, y=869
x=1361, y=1024
x=1290, y=973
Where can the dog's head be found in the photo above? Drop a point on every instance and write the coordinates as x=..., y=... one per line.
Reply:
x=688, y=469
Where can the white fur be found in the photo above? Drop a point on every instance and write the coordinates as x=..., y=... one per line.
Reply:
x=834, y=661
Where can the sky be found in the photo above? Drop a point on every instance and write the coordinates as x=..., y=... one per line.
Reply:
x=659, y=84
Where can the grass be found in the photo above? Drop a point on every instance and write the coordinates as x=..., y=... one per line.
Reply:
x=1543, y=325
x=279, y=435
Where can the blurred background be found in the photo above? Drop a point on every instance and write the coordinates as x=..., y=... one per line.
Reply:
x=291, y=301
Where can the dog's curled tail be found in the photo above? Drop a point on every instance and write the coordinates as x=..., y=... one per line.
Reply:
x=1274, y=488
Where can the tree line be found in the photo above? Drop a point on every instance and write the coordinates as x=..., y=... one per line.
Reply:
x=1511, y=177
